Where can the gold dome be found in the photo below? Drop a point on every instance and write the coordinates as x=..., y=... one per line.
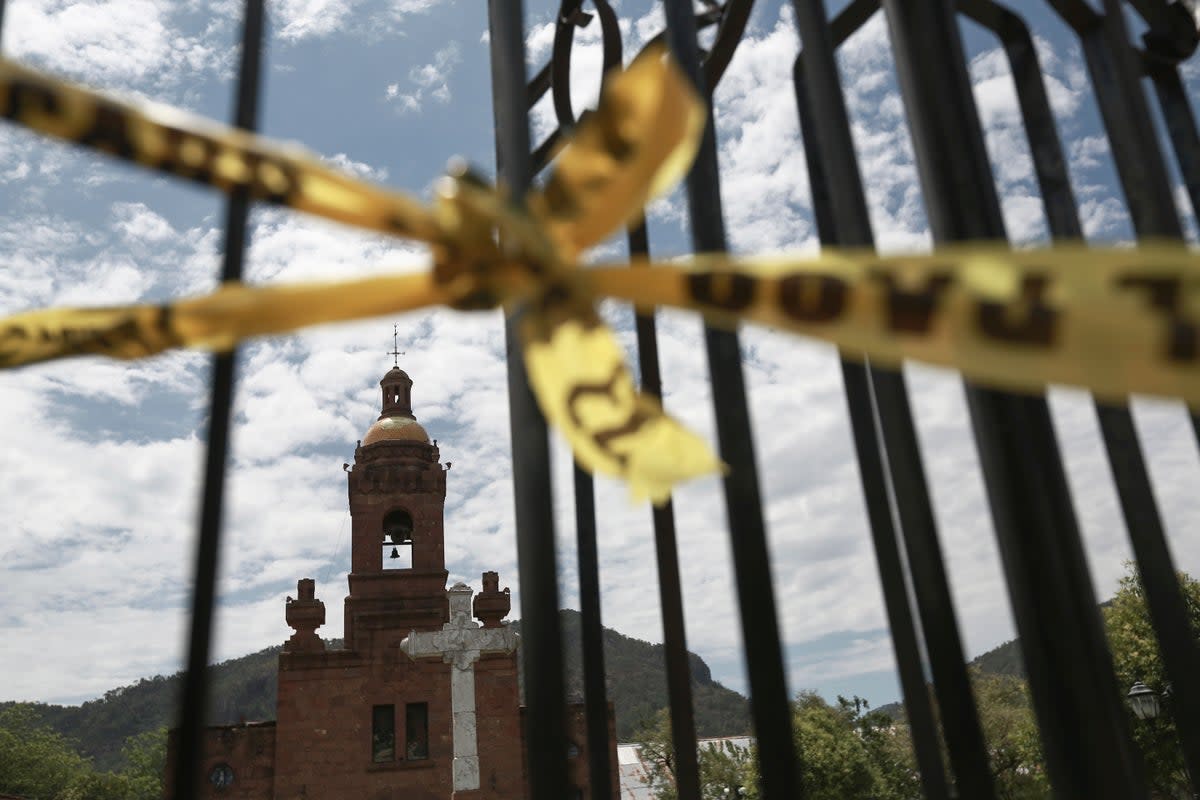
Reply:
x=395, y=429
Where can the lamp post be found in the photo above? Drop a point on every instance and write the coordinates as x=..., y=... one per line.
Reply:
x=1143, y=701
x=1147, y=704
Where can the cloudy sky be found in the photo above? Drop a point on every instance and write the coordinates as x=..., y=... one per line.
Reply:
x=100, y=467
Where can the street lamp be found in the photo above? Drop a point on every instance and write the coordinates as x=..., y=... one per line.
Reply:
x=1143, y=701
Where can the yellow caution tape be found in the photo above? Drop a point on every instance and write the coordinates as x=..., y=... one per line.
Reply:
x=214, y=322
x=639, y=142
x=180, y=144
x=1113, y=321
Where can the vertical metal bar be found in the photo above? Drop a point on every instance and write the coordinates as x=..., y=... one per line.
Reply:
x=1143, y=176
x=1084, y=728
x=743, y=500
x=541, y=634
x=841, y=211
x=679, y=688
x=952, y=686
x=1116, y=79
x=194, y=703
x=1181, y=127
x=595, y=692
x=670, y=588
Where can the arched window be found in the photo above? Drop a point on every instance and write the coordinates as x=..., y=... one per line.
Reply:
x=397, y=539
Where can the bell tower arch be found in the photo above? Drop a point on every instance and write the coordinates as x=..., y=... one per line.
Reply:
x=397, y=493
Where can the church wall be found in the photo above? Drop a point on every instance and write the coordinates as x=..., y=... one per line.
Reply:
x=325, y=723
x=498, y=721
x=243, y=754
x=578, y=769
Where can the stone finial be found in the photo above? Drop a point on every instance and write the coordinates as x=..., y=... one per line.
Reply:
x=459, y=596
x=492, y=604
x=305, y=615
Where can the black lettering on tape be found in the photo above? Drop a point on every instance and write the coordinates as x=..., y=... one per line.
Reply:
x=730, y=291
x=912, y=310
x=1036, y=326
x=24, y=98
x=197, y=166
x=1183, y=336
x=274, y=181
x=812, y=298
x=13, y=342
x=109, y=131
x=604, y=438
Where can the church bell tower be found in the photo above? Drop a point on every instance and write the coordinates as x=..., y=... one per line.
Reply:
x=421, y=701
x=397, y=491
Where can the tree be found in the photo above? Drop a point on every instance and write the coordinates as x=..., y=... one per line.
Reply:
x=146, y=757
x=1011, y=733
x=41, y=764
x=1136, y=657
x=889, y=745
x=723, y=766
x=35, y=761
x=848, y=752
x=835, y=761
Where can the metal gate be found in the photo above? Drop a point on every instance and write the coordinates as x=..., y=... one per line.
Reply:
x=1083, y=725
x=1079, y=711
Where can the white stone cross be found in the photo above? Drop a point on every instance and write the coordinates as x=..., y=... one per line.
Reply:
x=460, y=643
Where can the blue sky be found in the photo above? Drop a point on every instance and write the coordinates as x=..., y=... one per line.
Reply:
x=100, y=467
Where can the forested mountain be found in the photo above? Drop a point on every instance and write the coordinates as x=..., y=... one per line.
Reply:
x=244, y=689
x=637, y=683
x=1004, y=659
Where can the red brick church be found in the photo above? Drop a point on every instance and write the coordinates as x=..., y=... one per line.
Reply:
x=422, y=702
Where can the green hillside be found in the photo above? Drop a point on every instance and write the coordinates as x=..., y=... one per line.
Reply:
x=244, y=689
x=637, y=683
x=1004, y=659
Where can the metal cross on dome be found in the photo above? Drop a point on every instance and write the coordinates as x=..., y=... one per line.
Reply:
x=395, y=352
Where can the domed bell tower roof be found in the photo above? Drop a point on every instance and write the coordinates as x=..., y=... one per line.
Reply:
x=396, y=420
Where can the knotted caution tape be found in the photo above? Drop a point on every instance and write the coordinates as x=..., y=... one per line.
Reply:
x=1113, y=321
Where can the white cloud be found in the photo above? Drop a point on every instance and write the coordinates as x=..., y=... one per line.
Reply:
x=359, y=169
x=116, y=44
x=311, y=19
x=431, y=80
x=108, y=452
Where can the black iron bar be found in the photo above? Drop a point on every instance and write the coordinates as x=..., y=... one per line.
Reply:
x=194, y=702
x=570, y=16
x=1142, y=519
x=670, y=588
x=538, y=88
x=735, y=14
x=541, y=632
x=841, y=211
x=595, y=691
x=1172, y=30
x=1084, y=727
x=1115, y=75
x=743, y=500
x=1181, y=126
